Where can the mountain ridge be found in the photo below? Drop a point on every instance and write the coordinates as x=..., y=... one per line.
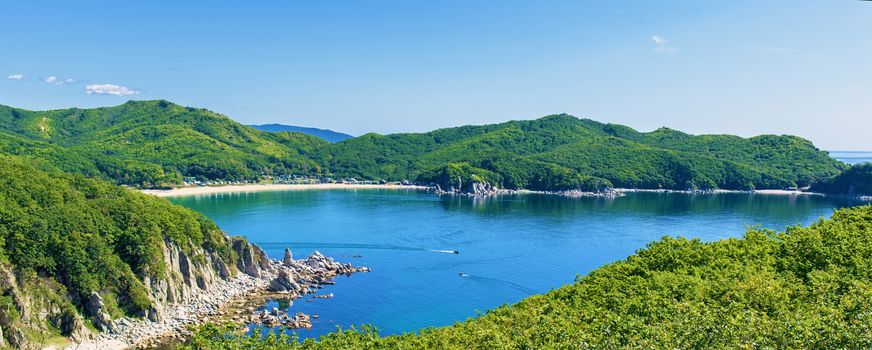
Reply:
x=157, y=143
x=326, y=134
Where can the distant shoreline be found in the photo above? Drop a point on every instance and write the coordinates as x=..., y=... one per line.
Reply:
x=770, y=191
x=197, y=190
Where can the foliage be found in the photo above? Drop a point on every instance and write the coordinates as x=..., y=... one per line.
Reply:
x=460, y=176
x=807, y=287
x=90, y=235
x=153, y=143
x=541, y=154
x=854, y=181
x=156, y=143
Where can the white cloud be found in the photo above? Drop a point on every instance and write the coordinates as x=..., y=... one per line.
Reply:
x=661, y=45
x=659, y=40
x=16, y=77
x=109, y=89
x=59, y=81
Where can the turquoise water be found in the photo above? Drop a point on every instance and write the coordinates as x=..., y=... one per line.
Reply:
x=510, y=247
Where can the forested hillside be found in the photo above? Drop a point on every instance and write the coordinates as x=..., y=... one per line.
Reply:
x=855, y=181
x=156, y=143
x=805, y=288
x=524, y=154
x=65, y=238
x=153, y=143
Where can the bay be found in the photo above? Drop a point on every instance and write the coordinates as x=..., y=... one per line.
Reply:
x=510, y=247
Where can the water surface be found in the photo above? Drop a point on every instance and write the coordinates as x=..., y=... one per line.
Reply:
x=852, y=157
x=510, y=246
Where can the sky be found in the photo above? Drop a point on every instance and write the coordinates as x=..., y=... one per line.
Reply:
x=735, y=67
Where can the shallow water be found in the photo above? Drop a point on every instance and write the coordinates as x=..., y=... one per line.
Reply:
x=510, y=246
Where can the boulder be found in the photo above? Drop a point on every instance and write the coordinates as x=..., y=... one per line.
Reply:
x=95, y=307
x=95, y=303
x=284, y=282
x=250, y=259
x=288, y=260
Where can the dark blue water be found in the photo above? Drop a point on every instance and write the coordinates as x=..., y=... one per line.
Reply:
x=852, y=157
x=511, y=247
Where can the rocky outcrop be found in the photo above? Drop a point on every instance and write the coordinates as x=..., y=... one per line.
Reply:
x=195, y=283
x=191, y=274
x=278, y=317
x=252, y=259
x=288, y=259
x=284, y=282
x=33, y=304
x=95, y=307
x=474, y=188
x=480, y=189
x=303, y=276
x=298, y=277
x=188, y=301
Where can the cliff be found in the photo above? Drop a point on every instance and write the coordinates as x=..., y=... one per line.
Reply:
x=79, y=257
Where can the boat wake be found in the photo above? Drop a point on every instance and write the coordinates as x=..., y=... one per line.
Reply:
x=487, y=280
x=445, y=251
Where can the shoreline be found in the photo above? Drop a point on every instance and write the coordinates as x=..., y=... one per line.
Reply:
x=717, y=191
x=198, y=190
x=234, y=300
x=201, y=190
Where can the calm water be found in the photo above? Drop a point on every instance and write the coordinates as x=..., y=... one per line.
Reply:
x=511, y=247
x=852, y=157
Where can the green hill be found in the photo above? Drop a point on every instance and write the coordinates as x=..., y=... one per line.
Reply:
x=805, y=288
x=65, y=237
x=518, y=151
x=153, y=143
x=156, y=143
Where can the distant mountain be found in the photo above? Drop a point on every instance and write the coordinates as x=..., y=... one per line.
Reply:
x=328, y=135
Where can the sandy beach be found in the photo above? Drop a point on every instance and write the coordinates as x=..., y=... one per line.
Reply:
x=188, y=191
x=196, y=190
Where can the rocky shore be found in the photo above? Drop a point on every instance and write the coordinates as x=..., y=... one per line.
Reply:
x=479, y=189
x=288, y=277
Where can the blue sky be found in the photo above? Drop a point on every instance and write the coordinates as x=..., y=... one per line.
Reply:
x=739, y=67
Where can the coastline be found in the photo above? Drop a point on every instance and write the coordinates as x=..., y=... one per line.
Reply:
x=233, y=299
x=767, y=192
x=198, y=190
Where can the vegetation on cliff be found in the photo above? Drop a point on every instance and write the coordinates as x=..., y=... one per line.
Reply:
x=64, y=237
x=156, y=143
x=807, y=287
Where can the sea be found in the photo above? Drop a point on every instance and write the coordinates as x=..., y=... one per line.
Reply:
x=507, y=247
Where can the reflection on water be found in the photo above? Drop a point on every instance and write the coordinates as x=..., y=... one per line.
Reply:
x=509, y=246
